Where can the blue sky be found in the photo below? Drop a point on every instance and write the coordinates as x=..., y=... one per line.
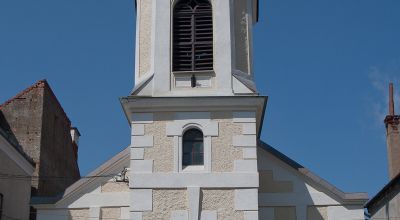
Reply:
x=325, y=66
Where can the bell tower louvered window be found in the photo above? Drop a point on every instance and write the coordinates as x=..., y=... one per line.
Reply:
x=192, y=36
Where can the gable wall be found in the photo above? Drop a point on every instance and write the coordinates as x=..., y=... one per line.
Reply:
x=110, y=200
x=391, y=209
x=97, y=198
x=283, y=191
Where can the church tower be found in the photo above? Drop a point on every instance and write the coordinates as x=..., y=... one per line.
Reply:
x=194, y=111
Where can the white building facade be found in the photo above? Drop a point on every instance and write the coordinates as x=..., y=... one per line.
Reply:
x=196, y=119
x=16, y=172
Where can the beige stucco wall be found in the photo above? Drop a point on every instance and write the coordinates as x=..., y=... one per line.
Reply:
x=162, y=151
x=317, y=213
x=78, y=214
x=145, y=22
x=16, y=192
x=114, y=187
x=241, y=36
x=223, y=152
x=223, y=202
x=165, y=201
x=110, y=213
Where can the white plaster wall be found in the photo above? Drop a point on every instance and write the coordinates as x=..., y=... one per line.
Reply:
x=223, y=202
x=394, y=207
x=102, y=200
x=52, y=215
x=114, y=187
x=380, y=214
x=16, y=191
x=303, y=193
x=317, y=213
x=78, y=214
x=113, y=195
x=345, y=212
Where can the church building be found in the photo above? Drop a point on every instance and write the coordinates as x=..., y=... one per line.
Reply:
x=196, y=119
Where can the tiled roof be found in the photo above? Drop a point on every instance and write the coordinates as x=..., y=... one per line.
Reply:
x=38, y=84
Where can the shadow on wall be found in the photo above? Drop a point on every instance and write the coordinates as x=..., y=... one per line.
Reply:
x=7, y=132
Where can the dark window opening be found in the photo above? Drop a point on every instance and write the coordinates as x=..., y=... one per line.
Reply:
x=1, y=205
x=193, y=148
x=192, y=36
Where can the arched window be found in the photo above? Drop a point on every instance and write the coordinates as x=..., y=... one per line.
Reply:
x=192, y=36
x=193, y=148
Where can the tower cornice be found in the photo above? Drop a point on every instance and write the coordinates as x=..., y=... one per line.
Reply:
x=140, y=104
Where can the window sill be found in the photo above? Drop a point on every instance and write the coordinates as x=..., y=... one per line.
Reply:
x=207, y=72
x=193, y=169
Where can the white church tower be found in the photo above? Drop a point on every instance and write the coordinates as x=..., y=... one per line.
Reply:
x=196, y=119
x=195, y=112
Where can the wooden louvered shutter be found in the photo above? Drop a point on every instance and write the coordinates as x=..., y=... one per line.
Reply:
x=193, y=36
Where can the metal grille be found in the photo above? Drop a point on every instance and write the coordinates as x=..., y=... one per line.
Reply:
x=193, y=36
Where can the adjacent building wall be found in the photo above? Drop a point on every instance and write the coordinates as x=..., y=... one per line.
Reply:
x=24, y=117
x=16, y=191
x=57, y=157
x=42, y=128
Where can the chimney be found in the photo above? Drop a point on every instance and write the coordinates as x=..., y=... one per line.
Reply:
x=75, y=140
x=393, y=136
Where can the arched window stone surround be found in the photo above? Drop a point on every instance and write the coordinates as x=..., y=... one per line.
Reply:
x=184, y=121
